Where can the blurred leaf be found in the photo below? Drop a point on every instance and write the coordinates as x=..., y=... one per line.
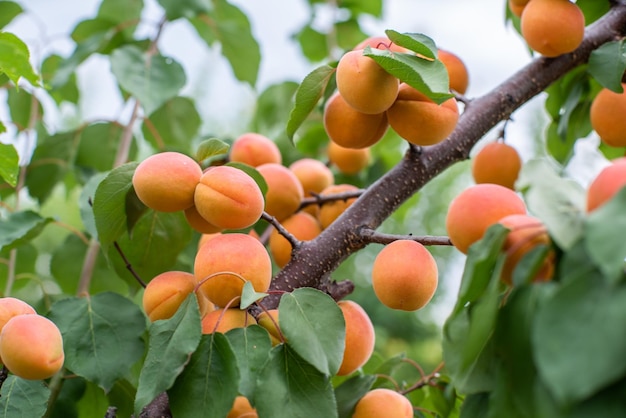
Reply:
x=228, y=25
x=530, y=264
x=210, y=148
x=15, y=59
x=611, y=153
x=252, y=346
x=475, y=406
x=593, y=9
x=428, y=77
x=93, y=403
x=298, y=387
x=272, y=109
x=252, y=172
x=308, y=94
x=101, y=335
x=21, y=108
x=175, y=9
x=49, y=164
x=349, y=34
x=98, y=144
x=21, y=398
x=562, y=149
x=25, y=265
x=172, y=126
x=171, y=342
x=108, y=30
x=314, y=44
x=209, y=384
x=8, y=11
x=607, y=65
x=66, y=92
x=416, y=42
x=249, y=295
x=18, y=228
x=350, y=392
x=371, y=7
x=9, y=164
x=151, y=79
x=85, y=203
x=122, y=12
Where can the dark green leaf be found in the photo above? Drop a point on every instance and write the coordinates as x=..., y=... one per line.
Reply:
x=18, y=228
x=209, y=384
x=475, y=406
x=416, y=42
x=49, y=164
x=593, y=9
x=171, y=342
x=66, y=92
x=530, y=264
x=101, y=335
x=300, y=389
x=210, y=148
x=15, y=59
x=252, y=346
x=349, y=393
x=25, y=265
x=175, y=9
x=8, y=11
x=21, y=398
x=172, y=126
x=9, y=164
x=562, y=149
x=607, y=65
x=93, y=403
x=272, y=109
x=135, y=209
x=122, y=12
x=98, y=145
x=313, y=43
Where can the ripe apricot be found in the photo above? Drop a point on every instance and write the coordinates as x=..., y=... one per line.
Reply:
x=606, y=184
x=198, y=223
x=552, y=27
x=497, y=163
x=166, y=292
x=351, y=128
x=347, y=160
x=607, y=117
x=477, y=208
x=269, y=320
x=314, y=175
x=457, y=71
x=10, y=307
x=301, y=225
x=225, y=262
x=166, y=181
x=364, y=84
x=526, y=232
x=404, y=275
x=360, y=337
x=223, y=320
x=383, y=402
x=228, y=198
x=330, y=211
x=31, y=347
x=242, y=409
x=255, y=149
x=284, y=191
x=419, y=120
x=380, y=42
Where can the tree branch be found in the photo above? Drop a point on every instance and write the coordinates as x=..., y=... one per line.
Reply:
x=372, y=237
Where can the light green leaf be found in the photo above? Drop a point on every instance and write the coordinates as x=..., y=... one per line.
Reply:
x=15, y=59
x=98, y=144
x=249, y=295
x=416, y=42
x=8, y=11
x=172, y=126
x=607, y=65
x=350, y=392
x=175, y=9
x=122, y=12
x=313, y=43
x=9, y=164
x=21, y=398
x=21, y=108
x=18, y=228
x=65, y=92
x=210, y=148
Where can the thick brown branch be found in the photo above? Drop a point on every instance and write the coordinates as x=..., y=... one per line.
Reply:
x=372, y=237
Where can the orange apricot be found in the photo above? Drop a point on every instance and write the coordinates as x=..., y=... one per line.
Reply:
x=606, y=184
x=165, y=293
x=225, y=262
x=228, y=198
x=269, y=320
x=364, y=84
x=223, y=320
x=284, y=191
x=607, y=116
x=242, y=409
x=301, y=225
x=476, y=208
x=383, y=402
x=31, y=347
x=404, y=275
x=254, y=149
x=457, y=71
x=497, y=163
x=552, y=27
x=198, y=223
x=314, y=175
x=419, y=120
x=10, y=307
x=347, y=160
x=360, y=337
x=166, y=181
x=330, y=211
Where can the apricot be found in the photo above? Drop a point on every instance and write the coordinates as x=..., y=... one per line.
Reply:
x=330, y=211
x=380, y=42
x=284, y=191
x=351, y=128
x=301, y=225
x=404, y=275
x=606, y=184
x=419, y=120
x=224, y=263
x=206, y=237
x=348, y=161
x=552, y=27
x=478, y=207
x=242, y=409
x=10, y=307
x=228, y=198
x=31, y=347
x=360, y=337
x=223, y=320
x=457, y=71
x=254, y=149
x=364, y=84
x=497, y=163
x=198, y=223
x=607, y=117
x=383, y=402
x=526, y=232
x=314, y=175
x=166, y=181
x=166, y=292
x=269, y=320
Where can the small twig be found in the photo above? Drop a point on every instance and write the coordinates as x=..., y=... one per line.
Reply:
x=319, y=199
x=295, y=243
x=425, y=380
x=128, y=265
x=462, y=98
x=372, y=237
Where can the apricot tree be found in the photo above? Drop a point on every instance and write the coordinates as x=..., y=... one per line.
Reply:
x=194, y=274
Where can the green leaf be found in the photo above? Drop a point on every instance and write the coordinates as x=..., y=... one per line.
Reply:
x=228, y=25
x=209, y=384
x=313, y=43
x=252, y=172
x=98, y=144
x=175, y=9
x=416, y=42
x=18, y=228
x=9, y=164
x=93, y=403
x=371, y=7
x=607, y=65
x=85, y=203
x=252, y=346
x=60, y=93
x=8, y=11
x=308, y=94
x=25, y=265
x=349, y=33
x=101, y=335
x=350, y=392
x=249, y=295
x=21, y=398
x=300, y=389
x=210, y=148
x=120, y=11
x=172, y=126
x=21, y=108
x=475, y=406
x=151, y=79
x=430, y=77
x=604, y=236
x=272, y=110
x=315, y=328
x=15, y=59
x=171, y=342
